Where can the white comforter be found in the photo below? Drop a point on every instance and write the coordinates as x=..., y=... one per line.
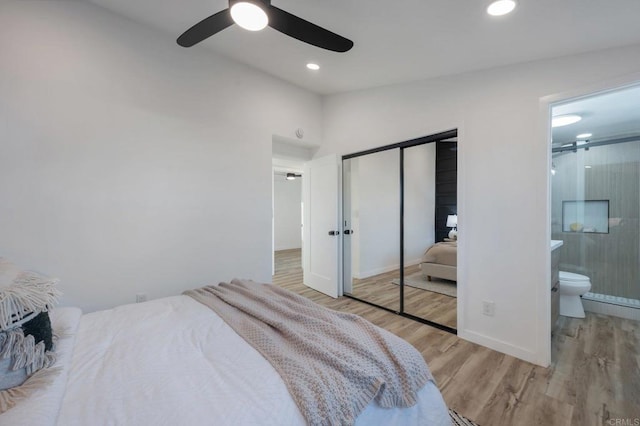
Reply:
x=173, y=361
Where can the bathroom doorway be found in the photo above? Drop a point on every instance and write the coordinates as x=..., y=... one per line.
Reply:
x=595, y=199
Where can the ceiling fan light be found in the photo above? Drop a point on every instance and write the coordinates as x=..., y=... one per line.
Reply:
x=501, y=7
x=249, y=16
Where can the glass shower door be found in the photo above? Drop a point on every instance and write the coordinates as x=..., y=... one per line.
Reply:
x=595, y=212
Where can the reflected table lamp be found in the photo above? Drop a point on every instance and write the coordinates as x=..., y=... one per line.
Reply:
x=452, y=222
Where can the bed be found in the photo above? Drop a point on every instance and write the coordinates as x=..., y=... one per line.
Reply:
x=175, y=361
x=440, y=261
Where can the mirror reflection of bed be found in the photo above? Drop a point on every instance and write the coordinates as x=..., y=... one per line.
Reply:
x=440, y=261
x=372, y=200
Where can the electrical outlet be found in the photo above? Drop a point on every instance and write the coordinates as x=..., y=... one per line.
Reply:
x=488, y=308
x=141, y=297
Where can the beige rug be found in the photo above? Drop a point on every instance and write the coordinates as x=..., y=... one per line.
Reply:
x=438, y=285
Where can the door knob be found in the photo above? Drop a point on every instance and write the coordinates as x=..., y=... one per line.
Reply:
x=333, y=233
x=348, y=232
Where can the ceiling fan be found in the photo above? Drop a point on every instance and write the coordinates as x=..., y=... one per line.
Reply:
x=292, y=176
x=289, y=175
x=255, y=15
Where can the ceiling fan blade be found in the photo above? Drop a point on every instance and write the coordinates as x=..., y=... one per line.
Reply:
x=305, y=31
x=206, y=28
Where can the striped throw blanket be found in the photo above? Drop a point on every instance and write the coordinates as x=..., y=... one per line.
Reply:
x=333, y=363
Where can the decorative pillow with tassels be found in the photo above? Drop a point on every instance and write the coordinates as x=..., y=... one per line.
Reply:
x=26, y=340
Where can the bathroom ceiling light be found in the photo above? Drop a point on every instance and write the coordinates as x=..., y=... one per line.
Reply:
x=249, y=16
x=565, y=120
x=584, y=135
x=312, y=66
x=501, y=7
x=587, y=167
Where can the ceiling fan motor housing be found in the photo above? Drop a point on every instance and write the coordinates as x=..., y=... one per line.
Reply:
x=256, y=2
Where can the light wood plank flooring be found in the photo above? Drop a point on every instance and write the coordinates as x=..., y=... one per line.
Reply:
x=594, y=378
x=379, y=289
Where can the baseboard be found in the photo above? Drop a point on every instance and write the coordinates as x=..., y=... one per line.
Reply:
x=604, y=308
x=378, y=271
x=287, y=248
x=500, y=346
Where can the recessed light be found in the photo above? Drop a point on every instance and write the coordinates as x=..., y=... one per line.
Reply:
x=584, y=135
x=565, y=120
x=587, y=167
x=249, y=16
x=312, y=66
x=501, y=7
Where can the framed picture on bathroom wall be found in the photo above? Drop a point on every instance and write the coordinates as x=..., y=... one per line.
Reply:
x=587, y=216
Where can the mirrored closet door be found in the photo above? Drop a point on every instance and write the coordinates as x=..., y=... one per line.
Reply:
x=372, y=228
x=430, y=256
x=399, y=211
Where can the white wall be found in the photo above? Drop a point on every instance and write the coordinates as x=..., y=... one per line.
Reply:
x=287, y=213
x=375, y=214
x=374, y=183
x=419, y=201
x=503, y=177
x=129, y=164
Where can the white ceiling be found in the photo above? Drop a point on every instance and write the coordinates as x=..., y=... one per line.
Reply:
x=401, y=40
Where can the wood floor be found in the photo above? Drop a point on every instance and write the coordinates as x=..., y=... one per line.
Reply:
x=594, y=378
x=429, y=305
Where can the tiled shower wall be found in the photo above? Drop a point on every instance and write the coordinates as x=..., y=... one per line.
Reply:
x=611, y=260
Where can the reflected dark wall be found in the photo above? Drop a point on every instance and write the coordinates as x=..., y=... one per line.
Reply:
x=446, y=186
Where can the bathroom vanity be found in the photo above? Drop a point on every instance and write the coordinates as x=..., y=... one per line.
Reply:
x=555, y=282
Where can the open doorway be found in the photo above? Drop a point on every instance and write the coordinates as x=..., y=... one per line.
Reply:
x=595, y=206
x=288, y=159
x=594, y=217
x=287, y=220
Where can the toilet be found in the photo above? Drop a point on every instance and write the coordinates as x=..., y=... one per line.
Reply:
x=572, y=286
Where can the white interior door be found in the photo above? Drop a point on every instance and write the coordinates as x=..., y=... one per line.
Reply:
x=321, y=225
